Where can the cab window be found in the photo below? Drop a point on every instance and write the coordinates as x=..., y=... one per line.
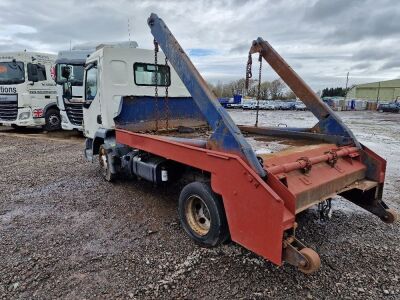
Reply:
x=91, y=83
x=38, y=72
x=41, y=72
x=150, y=74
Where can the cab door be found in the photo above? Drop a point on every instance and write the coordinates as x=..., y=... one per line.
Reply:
x=41, y=89
x=92, y=104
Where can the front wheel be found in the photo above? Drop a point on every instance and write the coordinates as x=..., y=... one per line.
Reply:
x=53, y=120
x=202, y=215
x=105, y=165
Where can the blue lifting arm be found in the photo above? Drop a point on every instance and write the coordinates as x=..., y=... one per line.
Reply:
x=226, y=135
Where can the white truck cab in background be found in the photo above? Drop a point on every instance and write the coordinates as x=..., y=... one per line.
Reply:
x=27, y=90
x=68, y=75
x=117, y=70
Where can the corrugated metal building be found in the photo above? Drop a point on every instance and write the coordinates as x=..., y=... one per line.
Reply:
x=387, y=90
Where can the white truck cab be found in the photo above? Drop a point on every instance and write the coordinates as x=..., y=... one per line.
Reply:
x=114, y=71
x=68, y=75
x=27, y=91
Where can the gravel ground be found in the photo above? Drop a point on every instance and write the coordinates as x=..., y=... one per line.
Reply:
x=65, y=233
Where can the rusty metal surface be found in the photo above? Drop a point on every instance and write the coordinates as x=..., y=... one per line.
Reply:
x=297, y=254
x=307, y=162
x=362, y=185
x=161, y=126
x=226, y=135
x=257, y=216
x=290, y=77
x=295, y=133
x=323, y=180
x=329, y=121
x=292, y=256
x=298, y=149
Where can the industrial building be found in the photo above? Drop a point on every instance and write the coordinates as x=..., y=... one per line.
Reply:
x=388, y=90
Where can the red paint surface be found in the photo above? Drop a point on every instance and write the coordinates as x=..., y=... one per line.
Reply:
x=258, y=212
x=255, y=213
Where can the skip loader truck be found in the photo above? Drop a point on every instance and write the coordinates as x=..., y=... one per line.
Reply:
x=151, y=115
x=27, y=91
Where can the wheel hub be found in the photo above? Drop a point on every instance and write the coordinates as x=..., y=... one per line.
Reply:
x=54, y=120
x=198, y=215
x=103, y=160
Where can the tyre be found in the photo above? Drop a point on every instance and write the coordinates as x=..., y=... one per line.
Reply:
x=391, y=216
x=52, y=119
x=202, y=215
x=105, y=167
x=313, y=261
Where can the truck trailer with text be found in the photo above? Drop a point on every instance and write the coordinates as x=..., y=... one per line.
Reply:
x=27, y=91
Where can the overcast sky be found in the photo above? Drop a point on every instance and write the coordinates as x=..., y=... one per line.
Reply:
x=321, y=39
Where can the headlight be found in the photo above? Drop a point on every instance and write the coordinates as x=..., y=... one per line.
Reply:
x=64, y=119
x=24, y=115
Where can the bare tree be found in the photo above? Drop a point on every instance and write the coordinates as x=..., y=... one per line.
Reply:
x=212, y=88
x=264, y=89
x=290, y=94
x=274, y=90
x=277, y=89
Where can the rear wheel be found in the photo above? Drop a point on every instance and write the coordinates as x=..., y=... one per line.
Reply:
x=105, y=164
x=202, y=215
x=52, y=119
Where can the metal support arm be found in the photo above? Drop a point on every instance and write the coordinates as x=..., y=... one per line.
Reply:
x=329, y=121
x=226, y=135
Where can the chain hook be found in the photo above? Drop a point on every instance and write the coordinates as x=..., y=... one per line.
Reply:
x=248, y=72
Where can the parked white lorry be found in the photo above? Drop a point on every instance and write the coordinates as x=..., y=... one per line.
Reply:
x=68, y=75
x=27, y=91
x=118, y=70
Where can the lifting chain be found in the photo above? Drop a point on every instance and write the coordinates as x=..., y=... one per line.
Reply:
x=156, y=81
x=258, y=89
x=167, y=81
x=325, y=210
x=248, y=72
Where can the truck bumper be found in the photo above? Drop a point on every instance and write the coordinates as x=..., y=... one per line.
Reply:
x=24, y=118
x=66, y=124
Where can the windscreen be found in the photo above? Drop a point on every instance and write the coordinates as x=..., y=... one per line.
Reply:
x=12, y=72
x=76, y=77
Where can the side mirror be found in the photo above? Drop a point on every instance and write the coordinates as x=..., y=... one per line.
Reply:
x=65, y=72
x=33, y=73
